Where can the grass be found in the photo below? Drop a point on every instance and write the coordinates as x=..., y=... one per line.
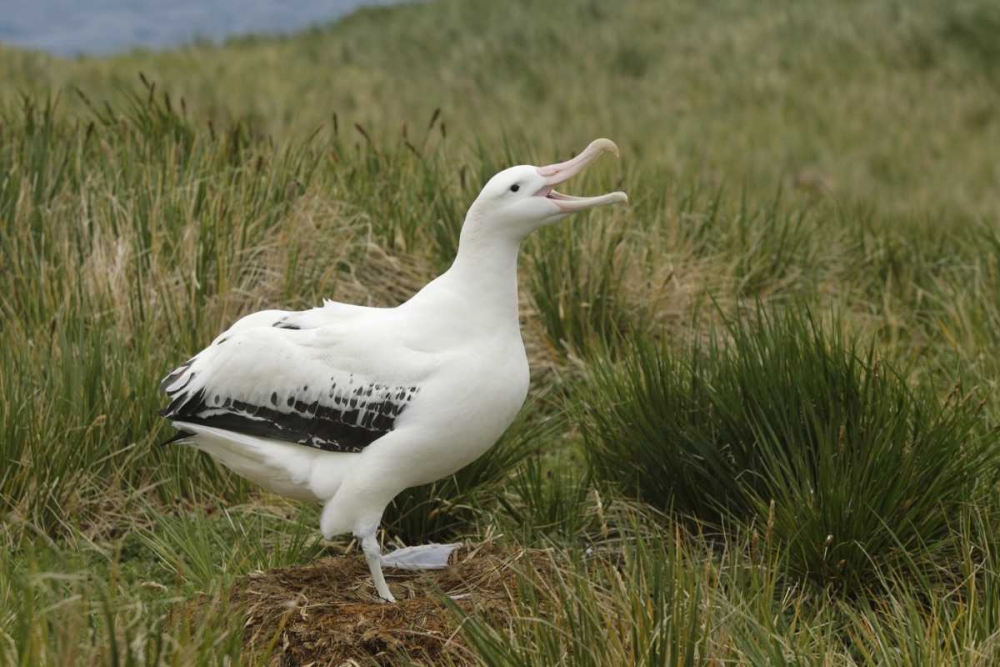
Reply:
x=789, y=334
x=796, y=431
x=653, y=592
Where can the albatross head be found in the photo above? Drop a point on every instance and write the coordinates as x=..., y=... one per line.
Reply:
x=521, y=199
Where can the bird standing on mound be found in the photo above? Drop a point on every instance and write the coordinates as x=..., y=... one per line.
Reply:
x=349, y=405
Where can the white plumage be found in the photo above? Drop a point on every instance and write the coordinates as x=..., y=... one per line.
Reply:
x=348, y=405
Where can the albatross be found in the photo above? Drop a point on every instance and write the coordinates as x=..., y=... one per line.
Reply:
x=349, y=405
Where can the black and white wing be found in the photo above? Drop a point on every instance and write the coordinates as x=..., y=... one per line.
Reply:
x=297, y=377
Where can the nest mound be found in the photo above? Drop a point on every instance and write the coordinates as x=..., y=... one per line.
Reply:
x=327, y=612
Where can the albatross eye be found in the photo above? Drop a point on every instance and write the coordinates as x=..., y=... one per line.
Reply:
x=515, y=187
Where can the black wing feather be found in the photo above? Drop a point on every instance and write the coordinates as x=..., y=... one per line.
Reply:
x=336, y=420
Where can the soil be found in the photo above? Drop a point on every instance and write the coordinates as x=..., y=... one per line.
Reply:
x=327, y=612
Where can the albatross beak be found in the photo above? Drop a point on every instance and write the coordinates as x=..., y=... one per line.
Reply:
x=557, y=173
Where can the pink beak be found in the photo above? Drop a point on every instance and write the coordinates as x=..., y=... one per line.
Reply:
x=557, y=173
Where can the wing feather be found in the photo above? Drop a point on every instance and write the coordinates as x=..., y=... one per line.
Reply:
x=332, y=379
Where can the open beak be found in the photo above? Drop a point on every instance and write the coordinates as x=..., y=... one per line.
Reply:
x=555, y=174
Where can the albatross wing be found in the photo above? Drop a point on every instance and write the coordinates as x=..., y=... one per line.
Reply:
x=303, y=378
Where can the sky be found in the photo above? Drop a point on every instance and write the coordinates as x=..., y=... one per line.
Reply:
x=102, y=27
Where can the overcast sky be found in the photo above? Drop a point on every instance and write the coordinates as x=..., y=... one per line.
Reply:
x=99, y=27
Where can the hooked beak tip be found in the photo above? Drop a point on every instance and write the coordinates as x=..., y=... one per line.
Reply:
x=562, y=171
x=607, y=146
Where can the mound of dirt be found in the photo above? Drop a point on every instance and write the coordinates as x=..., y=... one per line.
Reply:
x=327, y=613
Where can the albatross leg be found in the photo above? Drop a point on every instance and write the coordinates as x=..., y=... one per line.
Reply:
x=373, y=554
x=424, y=557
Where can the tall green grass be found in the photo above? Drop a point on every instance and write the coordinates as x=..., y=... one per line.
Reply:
x=56, y=610
x=654, y=592
x=798, y=430
x=727, y=484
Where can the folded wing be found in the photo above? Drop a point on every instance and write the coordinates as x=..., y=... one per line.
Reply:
x=269, y=376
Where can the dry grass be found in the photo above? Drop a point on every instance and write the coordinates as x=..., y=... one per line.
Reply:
x=327, y=612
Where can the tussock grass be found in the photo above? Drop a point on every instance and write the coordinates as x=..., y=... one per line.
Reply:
x=780, y=160
x=800, y=431
x=577, y=282
x=55, y=610
x=653, y=592
x=656, y=594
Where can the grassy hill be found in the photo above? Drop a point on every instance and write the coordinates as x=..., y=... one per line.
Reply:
x=762, y=427
x=893, y=103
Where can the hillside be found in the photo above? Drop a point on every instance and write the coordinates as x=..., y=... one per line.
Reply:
x=891, y=103
x=762, y=427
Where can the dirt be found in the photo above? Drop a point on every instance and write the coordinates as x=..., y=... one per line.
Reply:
x=327, y=613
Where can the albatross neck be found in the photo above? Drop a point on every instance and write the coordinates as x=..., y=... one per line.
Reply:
x=481, y=284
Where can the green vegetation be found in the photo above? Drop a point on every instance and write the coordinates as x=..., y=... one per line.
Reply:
x=798, y=432
x=763, y=422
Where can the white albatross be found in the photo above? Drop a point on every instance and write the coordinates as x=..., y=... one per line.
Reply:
x=349, y=405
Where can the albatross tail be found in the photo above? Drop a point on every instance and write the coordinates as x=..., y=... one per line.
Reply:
x=287, y=469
